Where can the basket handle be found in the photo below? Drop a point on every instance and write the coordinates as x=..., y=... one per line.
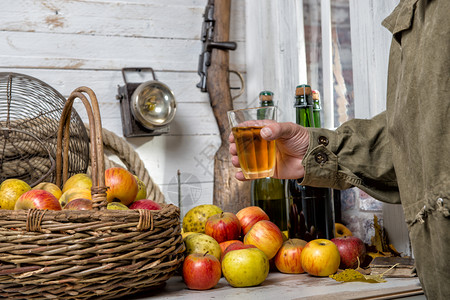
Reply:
x=98, y=190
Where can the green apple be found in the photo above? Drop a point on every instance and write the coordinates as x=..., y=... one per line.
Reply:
x=117, y=206
x=195, y=219
x=202, y=243
x=245, y=267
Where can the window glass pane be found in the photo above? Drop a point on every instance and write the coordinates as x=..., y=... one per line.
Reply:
x=341, y=55
x=342, y=61
x=313, y=43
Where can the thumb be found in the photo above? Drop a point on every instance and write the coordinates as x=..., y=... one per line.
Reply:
x=275, y=131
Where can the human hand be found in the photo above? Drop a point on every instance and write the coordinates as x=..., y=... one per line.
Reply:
x=292, y=141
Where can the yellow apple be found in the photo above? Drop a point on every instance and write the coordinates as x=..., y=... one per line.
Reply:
x=142, y=190
x=341, y=230
x=10, y=191
x=185, y=234
x=117, y=206
x=245, y=267
x=49, y=187
x=320, y=257
x=74, y=193
x=80, y=181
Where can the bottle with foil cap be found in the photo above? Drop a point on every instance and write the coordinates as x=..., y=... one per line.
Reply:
x=304, y=106
x=311, y=213
x=268, y=193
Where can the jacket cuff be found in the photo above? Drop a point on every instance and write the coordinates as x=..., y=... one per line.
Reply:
x=320, y=163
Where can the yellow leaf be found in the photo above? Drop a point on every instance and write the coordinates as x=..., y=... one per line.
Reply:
x=374, y=254
x=378, y=239
x=349, y=275
x=353, y=275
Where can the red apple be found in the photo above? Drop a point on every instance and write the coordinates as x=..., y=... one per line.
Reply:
x=225, y=244
x=236, y=246
x=350, y=249
x=145, y=204
x=266, y=236
x=320, y=257
x=122, y=185
x=249, y=216
x=223, y=227
x=201, y=271
x=79, y=204
x=39, y=199
x=288, y=258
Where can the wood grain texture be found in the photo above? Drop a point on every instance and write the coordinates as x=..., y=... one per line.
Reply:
x=68, y=44
x=229, y=194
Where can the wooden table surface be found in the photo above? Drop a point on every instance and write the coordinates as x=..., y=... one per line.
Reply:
x=292, y=286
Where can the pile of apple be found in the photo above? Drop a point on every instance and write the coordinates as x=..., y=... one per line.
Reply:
x=124, y=191
x=242, y=247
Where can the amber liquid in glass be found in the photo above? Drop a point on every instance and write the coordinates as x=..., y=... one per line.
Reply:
x=256, y=155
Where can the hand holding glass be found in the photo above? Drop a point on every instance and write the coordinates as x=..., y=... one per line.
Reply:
x=256, y=155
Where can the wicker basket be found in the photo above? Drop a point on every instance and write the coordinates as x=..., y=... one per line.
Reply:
x=84, y=254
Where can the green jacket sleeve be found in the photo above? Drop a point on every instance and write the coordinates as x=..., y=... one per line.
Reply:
x=355, y=154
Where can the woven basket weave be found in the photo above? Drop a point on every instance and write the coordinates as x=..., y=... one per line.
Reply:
x=84, y=254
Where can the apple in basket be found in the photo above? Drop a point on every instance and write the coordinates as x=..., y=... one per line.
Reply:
x=79, y=204
x=74, y=193
x=39, y=199
x=49, y=187
x=121, y=185
x=79, y=181
x=10, y=190
x=142, y=189
x=145, y=204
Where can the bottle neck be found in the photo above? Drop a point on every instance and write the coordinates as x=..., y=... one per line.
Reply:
x=265, y=103
x=316, y=112
x=304, y=111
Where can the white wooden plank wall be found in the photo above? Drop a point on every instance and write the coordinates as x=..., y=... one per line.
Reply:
x=68, y=44
x=275, y=52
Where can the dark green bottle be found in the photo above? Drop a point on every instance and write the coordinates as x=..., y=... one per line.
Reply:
x=268, y=193
x=310, y=209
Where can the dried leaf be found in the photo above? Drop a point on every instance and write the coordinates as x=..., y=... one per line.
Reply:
x=393, y=250
x=349, y=275
x=378, y=240
x=375, y=254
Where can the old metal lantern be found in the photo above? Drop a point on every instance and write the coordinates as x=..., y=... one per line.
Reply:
x=147, y=108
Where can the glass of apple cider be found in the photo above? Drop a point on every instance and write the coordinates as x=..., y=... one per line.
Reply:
x=256, y=155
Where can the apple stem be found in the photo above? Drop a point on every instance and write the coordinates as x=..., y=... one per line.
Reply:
x=206, y=253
